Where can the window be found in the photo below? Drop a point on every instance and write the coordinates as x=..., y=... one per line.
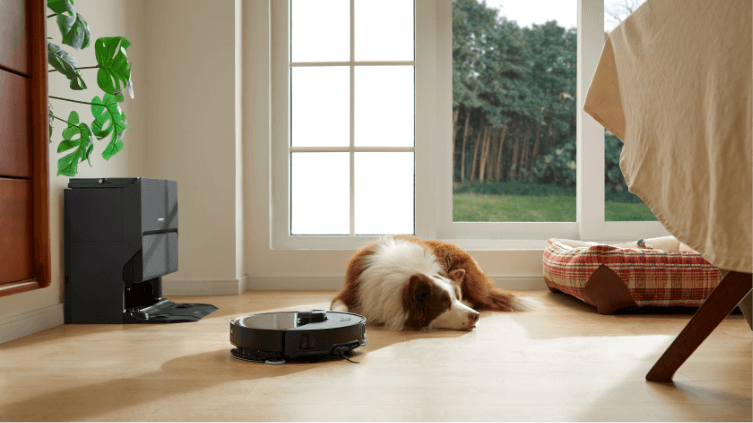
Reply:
x=619, y=203
x=513, y=114
x=351, y=135
x=323, y=163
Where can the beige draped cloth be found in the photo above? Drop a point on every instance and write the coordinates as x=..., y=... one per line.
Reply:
x=674, y=84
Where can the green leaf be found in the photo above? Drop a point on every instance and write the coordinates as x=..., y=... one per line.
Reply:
x=65, y=64
x=114, y=147
x=51, y=118
x=75, y=30
x=109, y=119
x=89, y=153
x=127, y=125
x=114, y=70
x=68, y=165
x=107, y=115
x=61, y=6
x=130, y=89
x=73, y=119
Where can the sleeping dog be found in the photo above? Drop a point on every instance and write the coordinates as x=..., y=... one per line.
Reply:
x=403, y=282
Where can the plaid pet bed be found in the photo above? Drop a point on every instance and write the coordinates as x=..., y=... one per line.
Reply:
x=652, y=277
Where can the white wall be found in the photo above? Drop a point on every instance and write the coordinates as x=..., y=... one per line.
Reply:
x=201, y=113
x=191, y=78
x=186, y=112
x=125, y=18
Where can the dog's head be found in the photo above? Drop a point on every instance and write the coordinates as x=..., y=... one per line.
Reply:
x=434, y=302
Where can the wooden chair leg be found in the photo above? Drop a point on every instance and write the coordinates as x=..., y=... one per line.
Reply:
x=720, y=303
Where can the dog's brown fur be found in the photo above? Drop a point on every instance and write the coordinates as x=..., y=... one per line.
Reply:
x=349, y=294
x=476, y=287
x=425, y=301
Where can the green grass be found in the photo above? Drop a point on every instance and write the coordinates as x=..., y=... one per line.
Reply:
x=470, y=207
x=627, y=212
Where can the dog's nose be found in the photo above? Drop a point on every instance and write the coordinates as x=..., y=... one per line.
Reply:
x=473, y=317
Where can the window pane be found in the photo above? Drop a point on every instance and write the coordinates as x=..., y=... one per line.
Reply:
x=320, y=30
x=384, y=193
x=619, y=203
x=384, y=29
x=615, y=11
x=320, y=106
x=384, y=111
x=514, y=87
x=320, y=194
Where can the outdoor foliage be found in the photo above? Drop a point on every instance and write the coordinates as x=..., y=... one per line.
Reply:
x=514, y=101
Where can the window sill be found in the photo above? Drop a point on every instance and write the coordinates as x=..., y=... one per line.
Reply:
x=354, y=243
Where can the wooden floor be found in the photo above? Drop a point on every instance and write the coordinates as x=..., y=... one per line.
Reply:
x=564, y=362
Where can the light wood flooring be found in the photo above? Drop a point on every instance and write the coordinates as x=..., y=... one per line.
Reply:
x=563, y=362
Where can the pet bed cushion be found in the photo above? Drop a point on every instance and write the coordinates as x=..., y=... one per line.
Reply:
x=613, y=276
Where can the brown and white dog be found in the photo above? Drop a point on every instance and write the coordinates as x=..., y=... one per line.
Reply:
x=403, y=282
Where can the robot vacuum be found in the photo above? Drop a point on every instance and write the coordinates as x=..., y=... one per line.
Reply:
x=275, y=337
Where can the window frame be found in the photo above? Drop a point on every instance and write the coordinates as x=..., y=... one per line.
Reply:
x=433, y=159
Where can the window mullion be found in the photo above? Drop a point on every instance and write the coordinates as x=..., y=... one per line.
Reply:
x=352, y=62
x=356, y=149
x=589, y=134
x=352, y=118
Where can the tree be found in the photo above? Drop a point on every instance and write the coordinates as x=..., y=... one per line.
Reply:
x=617, y=10
x=552, y=61
x=471, y=23
x=513, y=93
x=488, y=65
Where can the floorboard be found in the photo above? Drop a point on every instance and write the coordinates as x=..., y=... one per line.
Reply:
x=562, y=362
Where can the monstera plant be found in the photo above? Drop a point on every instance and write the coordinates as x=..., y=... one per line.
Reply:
x=113, y=77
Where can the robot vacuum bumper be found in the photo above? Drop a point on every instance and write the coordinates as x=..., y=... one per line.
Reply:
x=275, y=337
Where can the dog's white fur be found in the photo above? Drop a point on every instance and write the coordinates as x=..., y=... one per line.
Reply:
x=381, y=287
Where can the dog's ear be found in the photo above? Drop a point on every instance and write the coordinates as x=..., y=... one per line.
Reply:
x=457, y=275
x=448, y=260
x=419, y=289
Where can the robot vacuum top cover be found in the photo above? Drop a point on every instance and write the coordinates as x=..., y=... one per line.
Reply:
x=274, y=337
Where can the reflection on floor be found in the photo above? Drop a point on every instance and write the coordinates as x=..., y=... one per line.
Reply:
x=563, y=362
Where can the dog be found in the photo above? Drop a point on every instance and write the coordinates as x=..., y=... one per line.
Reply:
x=406, y=283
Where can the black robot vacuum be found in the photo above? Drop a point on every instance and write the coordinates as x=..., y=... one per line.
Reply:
x=275, y=337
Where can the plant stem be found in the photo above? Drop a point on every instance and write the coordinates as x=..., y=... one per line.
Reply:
x=85, y=67
x=74, y=101
x=54, y=14
x=63, y=120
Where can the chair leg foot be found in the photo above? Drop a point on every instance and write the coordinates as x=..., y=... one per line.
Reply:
x=720, y=303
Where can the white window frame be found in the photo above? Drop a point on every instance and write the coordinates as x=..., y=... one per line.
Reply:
x=433, y=146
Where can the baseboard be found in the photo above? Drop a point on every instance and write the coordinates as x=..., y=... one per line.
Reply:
x=34, y=321
x=309, y=283
x=204, y=287
x=333, y=283
x=520, y=282
x=295, y=283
